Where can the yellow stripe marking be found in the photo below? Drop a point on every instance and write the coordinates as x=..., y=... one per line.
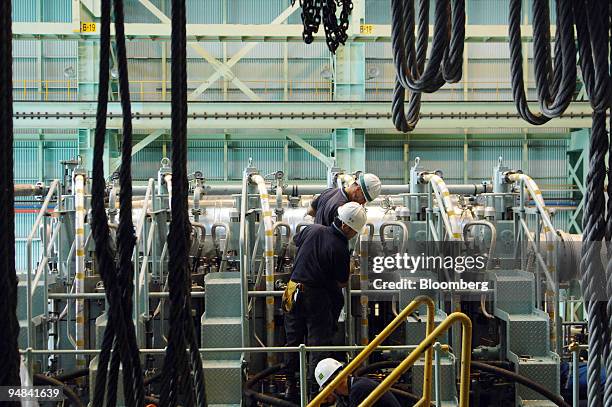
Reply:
x=80, y=276
x=269, y=253
x=80, y=231
x=268, y=233
x=269, y=300
x=80, y=209
x=80, y=252
x=264, y=196
x=267, y=213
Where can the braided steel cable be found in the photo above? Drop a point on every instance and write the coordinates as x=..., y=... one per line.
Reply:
x=516, y=66
x=119, y=336
x=9, y=325
x=564, y=75
x=593, y=40
x=126, y=238
x=178, y=383
x=446, y=59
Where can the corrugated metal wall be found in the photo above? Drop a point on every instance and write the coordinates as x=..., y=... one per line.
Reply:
x=262, y=69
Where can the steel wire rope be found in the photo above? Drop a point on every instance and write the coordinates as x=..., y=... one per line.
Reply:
x=593, y=52
x=119, y=340
x=9, y=325
x=446, y=59
x=177, y=375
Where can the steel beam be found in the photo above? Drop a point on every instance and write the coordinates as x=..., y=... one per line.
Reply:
x=248, y=32
x=115, y=163
x=328, y=161
x=219, y=66
x=240, y=54
x=283, y=115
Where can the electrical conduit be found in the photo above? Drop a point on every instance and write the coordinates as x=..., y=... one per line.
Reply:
x=79, y=276
x=447, y=207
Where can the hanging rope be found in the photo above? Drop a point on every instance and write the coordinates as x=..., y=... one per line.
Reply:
x=119, y=345
x=315, y=11
x=593, y=37
x=555, y=86
x=445, y=64
x=183, y=376
x=9, y=326
x=554, y=97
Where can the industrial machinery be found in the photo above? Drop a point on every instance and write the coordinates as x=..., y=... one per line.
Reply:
x=520, y=299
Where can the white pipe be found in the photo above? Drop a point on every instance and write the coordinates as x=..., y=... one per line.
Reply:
x=447, y=208
x=269, y=258
x=79, y=277
x=361, y=249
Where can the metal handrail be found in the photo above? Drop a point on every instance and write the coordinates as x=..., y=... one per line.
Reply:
x=41, y=213
x=393, y=325
x=426, y=345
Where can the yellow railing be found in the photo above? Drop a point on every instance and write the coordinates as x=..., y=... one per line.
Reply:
x=426, y=345
x=393, y=325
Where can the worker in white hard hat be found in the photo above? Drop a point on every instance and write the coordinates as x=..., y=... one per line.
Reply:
x=352, y=390
x=324, y=208
x=314, y=292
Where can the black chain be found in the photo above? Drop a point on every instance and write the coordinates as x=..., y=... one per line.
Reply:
x=316, y=11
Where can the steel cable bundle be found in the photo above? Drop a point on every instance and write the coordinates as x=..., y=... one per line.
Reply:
x=182, y=373
x=445, y=64
x=119, y=345
x=555, y=87
x=316, y=11
x=9, y=327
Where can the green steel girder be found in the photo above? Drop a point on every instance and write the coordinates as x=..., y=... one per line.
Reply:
x=466, y=116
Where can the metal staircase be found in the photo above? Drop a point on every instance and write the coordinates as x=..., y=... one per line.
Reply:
x=221, y=329
x=527, y=342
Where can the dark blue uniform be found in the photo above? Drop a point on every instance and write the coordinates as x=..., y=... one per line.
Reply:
x=326, y=205
x=362, y=387
x=322, y=261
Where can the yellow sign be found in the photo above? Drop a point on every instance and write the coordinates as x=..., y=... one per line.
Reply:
x=88, y=27
x=366, y=28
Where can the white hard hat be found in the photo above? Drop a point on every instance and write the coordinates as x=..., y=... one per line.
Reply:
x=370, y=185
x=325, y=370
x=353, y=214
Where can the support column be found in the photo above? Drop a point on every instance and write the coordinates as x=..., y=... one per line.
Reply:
x=349, y=147
x=349, y=84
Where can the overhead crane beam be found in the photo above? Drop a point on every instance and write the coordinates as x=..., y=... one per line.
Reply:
x=284, y=115
x=248, y=32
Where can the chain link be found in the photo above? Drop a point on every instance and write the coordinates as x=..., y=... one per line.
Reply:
x=316, y=11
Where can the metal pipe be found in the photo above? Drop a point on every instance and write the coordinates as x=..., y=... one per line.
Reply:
x=276, y=349
x=575, y=374
x=447, y=208
x=43, y=210
x=213, y=235
x=363, y=355
x=364, y=243
x=425, y=346
x=200, y=294
x=438, y=366
x=384, y=225
x=45, y=260
x=244, y=260
x=197, y=193
x=29, y=189
x=268, y=258
x=312, y=189
x=79, y=278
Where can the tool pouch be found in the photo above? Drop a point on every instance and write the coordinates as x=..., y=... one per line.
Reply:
x=290, y=295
